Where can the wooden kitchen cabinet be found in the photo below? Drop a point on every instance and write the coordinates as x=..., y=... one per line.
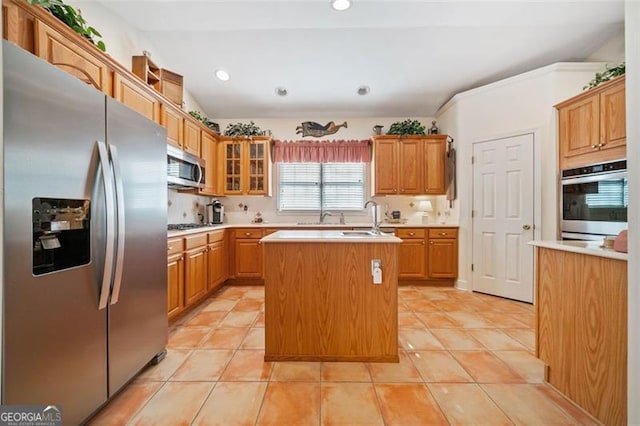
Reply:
x=53, y=47
x=247, y=253
x=192, y=137
x=581, y=329
x=171, y=119
x=217, y=260
x=209, y=153
x=443, y=253
x=195, y=268
x=246, y=165
x=139, y=98
x=412, y=253
x=592, y=126
x=175, y=278
x=409, y=165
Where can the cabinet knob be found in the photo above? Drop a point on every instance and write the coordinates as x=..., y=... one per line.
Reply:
x=402, y=190
x=431, y=242
x=412, y=233
x=443, y=234
x=526, y=227
x=169, y=248
x=594, y=146
x=248, y=234
x=422, y=242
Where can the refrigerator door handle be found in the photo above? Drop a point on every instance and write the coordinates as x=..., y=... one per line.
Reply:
x=117, y=281
x=110, y=207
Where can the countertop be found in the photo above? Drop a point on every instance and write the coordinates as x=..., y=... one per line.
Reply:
x=583, y=247
x=275, y=225
x=317, y=236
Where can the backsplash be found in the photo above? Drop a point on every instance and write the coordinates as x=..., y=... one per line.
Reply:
x=184, y=207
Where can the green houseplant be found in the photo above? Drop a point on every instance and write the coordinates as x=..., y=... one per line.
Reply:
x=72, y=18
x=606, y=75
x=244, y=129
x=205, y=120
x=406, y=127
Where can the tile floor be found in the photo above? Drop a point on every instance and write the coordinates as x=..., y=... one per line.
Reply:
x=465, y=358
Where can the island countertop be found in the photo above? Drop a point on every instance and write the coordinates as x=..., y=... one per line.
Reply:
x=319, y=236
x=593, y=248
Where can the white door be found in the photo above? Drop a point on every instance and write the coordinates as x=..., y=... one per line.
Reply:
x=503, y=217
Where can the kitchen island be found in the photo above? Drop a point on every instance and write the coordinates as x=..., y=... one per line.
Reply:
x=321, y=302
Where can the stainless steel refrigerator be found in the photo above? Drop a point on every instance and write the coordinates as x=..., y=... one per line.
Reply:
x=85, y=283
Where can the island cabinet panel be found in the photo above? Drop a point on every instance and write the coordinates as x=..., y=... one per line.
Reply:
x=321, y=303
x=582, y=330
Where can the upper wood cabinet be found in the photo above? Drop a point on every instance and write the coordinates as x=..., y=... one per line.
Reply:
x=53, y=47
x=592, y=126
x=130, y=92
x=171, y=119
x=192, y=137
x=409, y=165
x=246, y=165
x=209, y=152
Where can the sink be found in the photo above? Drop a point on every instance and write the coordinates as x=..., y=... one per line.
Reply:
x=358, y=234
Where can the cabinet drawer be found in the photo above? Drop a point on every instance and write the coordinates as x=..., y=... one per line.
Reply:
x=195, y=241
x=174, y=246
x=443, y=233
x=215, y=236
x=248, y=233
x=410, y=232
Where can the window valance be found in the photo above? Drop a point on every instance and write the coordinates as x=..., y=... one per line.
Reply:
x=333, y=151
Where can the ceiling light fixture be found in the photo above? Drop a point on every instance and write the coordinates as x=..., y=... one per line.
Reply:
x=363, y=90
x=341, y=4
x=281, y=91
x=222, y=75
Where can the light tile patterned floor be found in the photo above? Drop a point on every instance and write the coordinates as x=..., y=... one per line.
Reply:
x=465, y=358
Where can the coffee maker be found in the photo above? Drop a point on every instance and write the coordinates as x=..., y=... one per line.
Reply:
x=215, y=212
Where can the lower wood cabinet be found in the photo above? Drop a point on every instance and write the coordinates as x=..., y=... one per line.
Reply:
x=217, y=260
x=195, y=283
x=412, y=253
x=443, y=253
x=197, y=265
x=175, y=278
x=247, y=253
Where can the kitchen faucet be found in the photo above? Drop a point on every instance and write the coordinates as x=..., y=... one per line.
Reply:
x=323, y=215
x=375, y=227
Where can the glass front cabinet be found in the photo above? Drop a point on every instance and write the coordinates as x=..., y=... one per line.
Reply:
x=246, y=165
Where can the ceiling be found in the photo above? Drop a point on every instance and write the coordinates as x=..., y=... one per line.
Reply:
x=414, y=55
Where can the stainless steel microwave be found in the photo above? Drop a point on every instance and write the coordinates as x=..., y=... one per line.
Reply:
x=184, y=170
x=594, y=200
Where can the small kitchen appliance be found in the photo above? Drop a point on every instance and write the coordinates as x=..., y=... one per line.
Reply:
x=215, y=212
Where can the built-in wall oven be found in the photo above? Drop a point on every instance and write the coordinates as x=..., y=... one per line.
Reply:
x=594, y=201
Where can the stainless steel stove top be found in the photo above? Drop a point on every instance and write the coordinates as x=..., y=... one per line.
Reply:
x=183, y=226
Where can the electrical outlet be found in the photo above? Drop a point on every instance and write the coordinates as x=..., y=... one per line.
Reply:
x=375, y=263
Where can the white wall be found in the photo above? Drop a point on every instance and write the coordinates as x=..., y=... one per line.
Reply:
x=123, y=42
x=632, y=28
x=519, y=104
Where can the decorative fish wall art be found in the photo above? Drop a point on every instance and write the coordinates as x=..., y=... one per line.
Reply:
x=311, y=128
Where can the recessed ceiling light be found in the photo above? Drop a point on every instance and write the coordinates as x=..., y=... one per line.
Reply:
x=341, y=4
x=222, y=75
x=281, y=91
x=363, y=90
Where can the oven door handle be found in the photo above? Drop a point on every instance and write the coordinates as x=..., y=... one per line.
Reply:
x=595, y=178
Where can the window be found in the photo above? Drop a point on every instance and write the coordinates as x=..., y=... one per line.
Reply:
x=310, y=186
